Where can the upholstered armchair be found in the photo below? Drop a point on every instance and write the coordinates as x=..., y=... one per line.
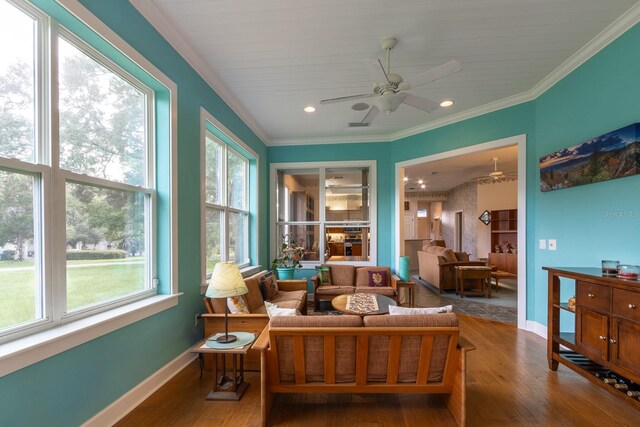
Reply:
x=436, y=266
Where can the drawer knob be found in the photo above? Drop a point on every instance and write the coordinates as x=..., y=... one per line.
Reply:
x=612, y=341
x=602, y=337
x=591, y=295
x=632, y=306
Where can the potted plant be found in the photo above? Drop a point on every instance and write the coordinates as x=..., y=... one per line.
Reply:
x=288, y=259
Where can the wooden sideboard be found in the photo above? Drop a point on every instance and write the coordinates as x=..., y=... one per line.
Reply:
x=504, y=262
x=606, y=321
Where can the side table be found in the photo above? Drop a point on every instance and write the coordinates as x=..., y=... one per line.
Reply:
x=225, y=387
x=477, y=273
x=407, y=288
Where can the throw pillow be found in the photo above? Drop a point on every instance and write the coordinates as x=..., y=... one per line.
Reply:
x=237, y=305
x=268, y=286
x=274, y=310
x=324, y=274
x=377, y=279
x=395, y=310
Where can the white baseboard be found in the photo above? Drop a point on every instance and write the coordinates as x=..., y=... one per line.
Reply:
x=536, y=328
x=130, y=400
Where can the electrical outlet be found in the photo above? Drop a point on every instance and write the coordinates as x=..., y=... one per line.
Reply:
x=196, y=318
x=552, y=244
x=543, y=244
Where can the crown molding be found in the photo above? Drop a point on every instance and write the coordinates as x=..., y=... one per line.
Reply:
x=330, y=140
x=614, y=30
x=167, y=30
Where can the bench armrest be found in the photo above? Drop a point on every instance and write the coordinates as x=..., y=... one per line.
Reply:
x=457, y=263
x=262, y=342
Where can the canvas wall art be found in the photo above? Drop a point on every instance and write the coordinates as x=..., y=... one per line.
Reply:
x=609, y=156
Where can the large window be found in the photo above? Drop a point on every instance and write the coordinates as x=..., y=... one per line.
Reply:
x=226, y=197
x=77, y=178
x=328, y=209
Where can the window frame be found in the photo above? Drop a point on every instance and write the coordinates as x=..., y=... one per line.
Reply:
x=207, y=123
x=323, y=224
x=50, y=203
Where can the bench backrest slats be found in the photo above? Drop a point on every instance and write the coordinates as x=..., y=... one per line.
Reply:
x=362, y=357
x=330, y=359
x=298, y=359
x=426, y=347
x=393, y=365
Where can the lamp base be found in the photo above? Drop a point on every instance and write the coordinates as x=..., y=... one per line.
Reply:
x=223, y=339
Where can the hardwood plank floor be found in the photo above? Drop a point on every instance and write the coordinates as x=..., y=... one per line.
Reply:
x=509, y=385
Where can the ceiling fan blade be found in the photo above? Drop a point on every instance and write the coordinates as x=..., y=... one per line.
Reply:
x=421, y=103
x=346, y=98
x=376, y=70
x=373, y=112
x=436, y=73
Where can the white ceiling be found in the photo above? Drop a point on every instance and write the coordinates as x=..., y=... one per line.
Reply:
x=269, y=59
x=445, y=174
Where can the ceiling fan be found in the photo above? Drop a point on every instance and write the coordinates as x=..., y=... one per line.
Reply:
x=389, y=88
x=496, y=174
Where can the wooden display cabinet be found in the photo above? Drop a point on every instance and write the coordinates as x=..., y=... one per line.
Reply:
x=504, y=228
x=607, y=325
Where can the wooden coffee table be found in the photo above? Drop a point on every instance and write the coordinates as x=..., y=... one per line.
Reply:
x=340, y=303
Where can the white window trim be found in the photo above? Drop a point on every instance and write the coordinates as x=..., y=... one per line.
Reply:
x=31, y=349
x=206, y=117
x=373, y=206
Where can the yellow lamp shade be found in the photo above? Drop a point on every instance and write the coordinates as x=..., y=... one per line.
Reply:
x=226, y=281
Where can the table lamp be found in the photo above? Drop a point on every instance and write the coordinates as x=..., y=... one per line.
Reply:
x=226, y=281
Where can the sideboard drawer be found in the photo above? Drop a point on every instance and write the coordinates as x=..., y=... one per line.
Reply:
x=626, y=304
x=593, y=296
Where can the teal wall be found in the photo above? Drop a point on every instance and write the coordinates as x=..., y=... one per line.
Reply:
x=596, y=221
x=589, y=222
x=71, y=387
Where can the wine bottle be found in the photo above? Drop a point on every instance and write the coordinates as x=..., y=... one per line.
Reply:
x=621, y=386
x=633, y=393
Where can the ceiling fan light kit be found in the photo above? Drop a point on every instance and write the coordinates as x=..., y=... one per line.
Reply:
x=388, y=87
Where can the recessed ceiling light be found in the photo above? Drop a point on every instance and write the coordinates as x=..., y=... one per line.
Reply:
x=420, y=181
x=423, y=186
x=360, y=106
x=405, y=179
x=446, y=103
x=309, y=109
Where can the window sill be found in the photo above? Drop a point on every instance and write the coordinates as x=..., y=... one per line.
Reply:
x=26, y=351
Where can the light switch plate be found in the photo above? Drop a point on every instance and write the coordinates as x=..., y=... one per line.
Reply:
x=543, y=244
x=552, y=244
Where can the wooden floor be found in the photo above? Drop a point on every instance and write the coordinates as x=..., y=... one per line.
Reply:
x=509, y=385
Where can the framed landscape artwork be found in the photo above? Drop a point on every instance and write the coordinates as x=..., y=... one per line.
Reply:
x=609, y=156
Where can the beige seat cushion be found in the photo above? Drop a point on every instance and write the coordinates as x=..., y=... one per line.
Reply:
x=314, y=347
x=342, y=275
x=291, y=299
x=410, y=346
x=334, y=290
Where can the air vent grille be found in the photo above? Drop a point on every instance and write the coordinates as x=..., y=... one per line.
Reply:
x=358, y=125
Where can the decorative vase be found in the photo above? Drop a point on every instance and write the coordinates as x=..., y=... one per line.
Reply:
x=404, y=269
x=285, y=273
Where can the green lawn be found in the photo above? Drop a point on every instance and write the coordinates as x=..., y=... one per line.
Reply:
x=85, y=286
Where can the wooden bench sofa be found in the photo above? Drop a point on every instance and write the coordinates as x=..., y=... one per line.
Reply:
x=374, y=354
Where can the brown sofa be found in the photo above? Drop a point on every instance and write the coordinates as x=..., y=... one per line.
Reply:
x=436, y=266
x=291, y=294
x=374, y=354
x=348, y=279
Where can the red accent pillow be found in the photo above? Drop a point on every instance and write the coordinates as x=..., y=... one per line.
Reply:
x=377, y=279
